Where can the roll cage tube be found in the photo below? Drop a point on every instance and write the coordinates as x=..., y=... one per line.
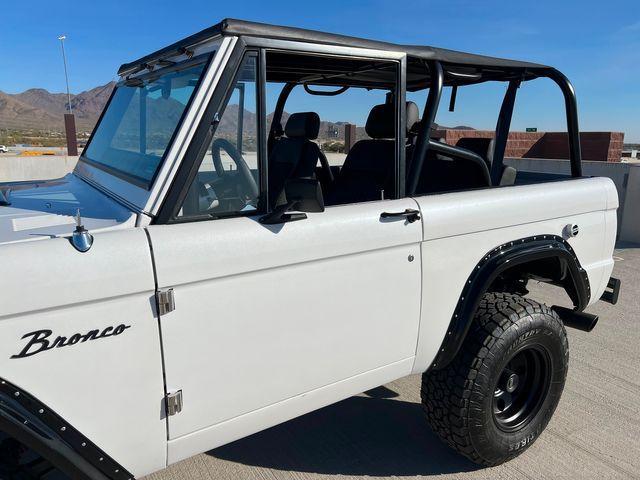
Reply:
x=276, y=122
x=502, y=128
x=428, y=117
x=498, y=261
x=502, y=131
x=571, y=109
x=27, y=420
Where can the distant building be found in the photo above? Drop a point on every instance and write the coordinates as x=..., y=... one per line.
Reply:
x=596, y=146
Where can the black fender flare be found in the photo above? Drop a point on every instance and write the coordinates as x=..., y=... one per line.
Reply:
x=26, y=419
x=497, y=261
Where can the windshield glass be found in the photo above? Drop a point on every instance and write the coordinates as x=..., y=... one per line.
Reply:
x=140, y=121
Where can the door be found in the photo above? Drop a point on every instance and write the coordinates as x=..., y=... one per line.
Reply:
x=264, y=314
x=272, y=321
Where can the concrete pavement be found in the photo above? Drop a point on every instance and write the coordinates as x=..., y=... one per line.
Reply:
x=594, y=433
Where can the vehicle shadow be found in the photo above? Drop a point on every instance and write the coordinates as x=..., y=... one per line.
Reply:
x=361, y=436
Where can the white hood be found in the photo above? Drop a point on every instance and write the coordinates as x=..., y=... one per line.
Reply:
x=46, y=209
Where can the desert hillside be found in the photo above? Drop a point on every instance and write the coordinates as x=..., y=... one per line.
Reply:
x=38, y=109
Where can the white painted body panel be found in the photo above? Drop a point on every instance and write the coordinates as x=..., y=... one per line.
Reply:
x=110, y=389
x=46, y=209
x=461, y=228
x=261, y=419
x=283, y=316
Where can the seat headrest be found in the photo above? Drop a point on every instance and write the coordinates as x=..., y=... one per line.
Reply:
x=413, y=116
x=381, y=120
x=303, y=125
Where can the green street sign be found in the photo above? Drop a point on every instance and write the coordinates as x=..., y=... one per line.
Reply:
x=531, y=129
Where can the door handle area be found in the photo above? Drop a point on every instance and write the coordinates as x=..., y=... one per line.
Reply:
x=409, y=214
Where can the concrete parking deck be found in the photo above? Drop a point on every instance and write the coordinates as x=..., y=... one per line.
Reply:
x=594, y=433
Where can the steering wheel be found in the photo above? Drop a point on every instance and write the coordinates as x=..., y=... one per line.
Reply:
x=248, y=182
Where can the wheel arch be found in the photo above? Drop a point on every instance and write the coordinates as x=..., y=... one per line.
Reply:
x=27, y=420
x=522, y=256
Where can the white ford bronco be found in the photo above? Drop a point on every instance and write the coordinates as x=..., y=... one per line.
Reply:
x=208, y=271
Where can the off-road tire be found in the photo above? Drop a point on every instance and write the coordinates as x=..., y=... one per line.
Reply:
x=459, y=399
x=17, y=462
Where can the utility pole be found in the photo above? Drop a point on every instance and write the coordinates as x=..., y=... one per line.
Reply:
x=62, y=38
x=69, y=119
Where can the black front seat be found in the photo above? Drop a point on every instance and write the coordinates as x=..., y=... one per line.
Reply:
x=368, y=172
x=294, y=156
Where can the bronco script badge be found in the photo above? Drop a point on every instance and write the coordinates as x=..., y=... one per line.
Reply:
x=39, y=340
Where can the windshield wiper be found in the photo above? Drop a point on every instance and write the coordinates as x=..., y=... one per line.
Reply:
x=134, y=82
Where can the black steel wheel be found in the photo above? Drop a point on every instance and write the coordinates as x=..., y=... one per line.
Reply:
x=522, y=386
x=499, y=393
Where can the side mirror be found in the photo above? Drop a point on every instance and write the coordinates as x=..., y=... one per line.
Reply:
x=303, y=195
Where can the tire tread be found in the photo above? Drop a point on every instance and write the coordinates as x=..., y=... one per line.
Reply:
x=446, y=392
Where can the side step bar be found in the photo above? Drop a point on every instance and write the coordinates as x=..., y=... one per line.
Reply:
x=610, y=295
x=574, y=319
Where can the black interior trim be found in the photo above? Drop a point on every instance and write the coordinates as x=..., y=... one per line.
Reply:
x=324, y=93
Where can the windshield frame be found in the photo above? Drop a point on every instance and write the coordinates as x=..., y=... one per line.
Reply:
x=204, y=59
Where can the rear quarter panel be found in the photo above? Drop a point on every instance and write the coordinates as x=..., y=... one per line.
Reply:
x=109, y=389
x=460, y=228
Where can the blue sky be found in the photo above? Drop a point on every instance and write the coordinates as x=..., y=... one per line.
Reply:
x=596, y=44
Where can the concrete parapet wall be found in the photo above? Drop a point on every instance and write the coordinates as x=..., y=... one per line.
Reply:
x=17, y=168
x=630, y=228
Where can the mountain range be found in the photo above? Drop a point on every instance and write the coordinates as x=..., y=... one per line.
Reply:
x=38, y=109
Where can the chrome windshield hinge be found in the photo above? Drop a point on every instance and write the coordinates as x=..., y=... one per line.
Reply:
x=166, y=301
x=174, y=403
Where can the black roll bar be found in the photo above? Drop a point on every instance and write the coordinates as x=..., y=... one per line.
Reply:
x=502, y=128
x=502, y=131
x=276, y=121
x=571, y=108
x=431, y=107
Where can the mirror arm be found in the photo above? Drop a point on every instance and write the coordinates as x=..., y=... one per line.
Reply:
x=280, y=215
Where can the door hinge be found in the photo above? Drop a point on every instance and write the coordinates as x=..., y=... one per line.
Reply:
x=166, y=301
x=174, y=403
